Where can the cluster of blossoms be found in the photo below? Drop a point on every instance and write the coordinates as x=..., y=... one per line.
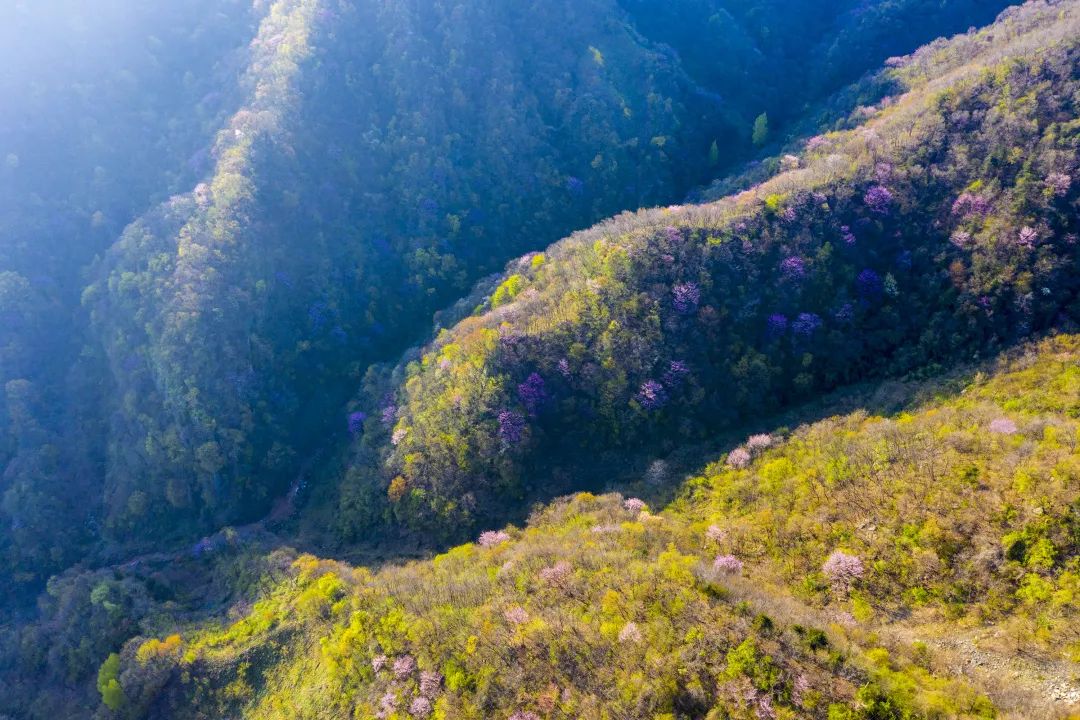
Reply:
x=651, y=395
x=1059, y=183
x=677, y=370
x=524, y=715
x=630, y=633
x=757, y=443
x=879, y=199
x=806, y=324
x=1003, y=426
x=404, y=667
x=716, y=534
x=564, y=368
x=846, y=235
x=738, y=458
x=843, y=569
x=793, y=268
x=727, y=565
x=389, y=415
x=356, y=422
x=657, y=472
x=430, y=683
x=1027, y=237
x=970, y=204
x=685, y=297
x=420, y=707
x=816, y=143
x=378, y=663
x=557, y=573
x=634, y=505
x=491, y=538
x=387, y=705
x=516, y=615
x=673, y=234
x=398, y=435
x=511, y=427
x=799, y=689
x=532, y=393
x=961, y=239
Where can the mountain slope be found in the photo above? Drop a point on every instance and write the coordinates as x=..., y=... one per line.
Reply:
x=944, y=226
x=816, y=573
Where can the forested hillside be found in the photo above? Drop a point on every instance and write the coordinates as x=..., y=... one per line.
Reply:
x=943, y=227
x=216, y=216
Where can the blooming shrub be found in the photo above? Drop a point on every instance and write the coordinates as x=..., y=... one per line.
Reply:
x=727, y=565
x=843, y=570
x=511, y=427
x=404, y=666
x=1003, y=426
x=879, y=199
x=739, y=458
x=516, y=615
x=685, y=297
x=557, y=573
x=491, y=538
x=652, y=395
x=630, y=633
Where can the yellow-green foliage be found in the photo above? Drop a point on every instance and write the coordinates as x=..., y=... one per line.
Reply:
x=508, y=290
x=602, y=609
x=951, y=511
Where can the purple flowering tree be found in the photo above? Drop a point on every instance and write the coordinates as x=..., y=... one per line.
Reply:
x=879, y=199
x=511, y=427
x=685, y=297
x=793, y=268
x=532, y=393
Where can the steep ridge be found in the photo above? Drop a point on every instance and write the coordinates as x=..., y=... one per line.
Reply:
x=817, y=572
x=944, y=226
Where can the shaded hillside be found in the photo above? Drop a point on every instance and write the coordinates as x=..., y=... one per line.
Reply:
x=107, y=109
x=943, y=227
x=848, y=568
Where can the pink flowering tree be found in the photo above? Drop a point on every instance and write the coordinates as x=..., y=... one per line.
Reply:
x=843, y=570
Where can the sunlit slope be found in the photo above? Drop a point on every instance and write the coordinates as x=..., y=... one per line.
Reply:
x=837, y=570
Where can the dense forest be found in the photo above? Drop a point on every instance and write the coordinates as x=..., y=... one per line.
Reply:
x=371, y=278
